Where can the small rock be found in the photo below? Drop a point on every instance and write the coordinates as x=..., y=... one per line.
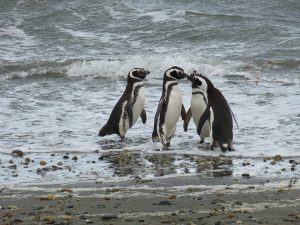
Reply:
x=164, y=202
x=273, y=163
x=59, y=163
x=13, y=167
x=75, y=158
x=66, y=157
x=18, y=220
x=246, y=175
x=231, y=215
x=101, y=158
x=278, y=158
x=172, y=196
x=109, y=217
x=17, y=153
x=89, y=221
x=83, y=217
x=66, y=190
x=238, y=203
x=43, y=162
x=12, y=207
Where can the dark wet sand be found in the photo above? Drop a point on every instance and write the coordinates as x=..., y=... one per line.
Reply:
x=180, y=200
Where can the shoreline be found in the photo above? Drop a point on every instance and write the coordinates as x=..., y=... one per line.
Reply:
x=173, y=200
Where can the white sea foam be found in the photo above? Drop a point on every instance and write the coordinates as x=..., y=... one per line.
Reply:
x=116, y=68
x=78, y=33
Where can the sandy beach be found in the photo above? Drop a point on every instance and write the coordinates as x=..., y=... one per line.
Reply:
x=189, y=198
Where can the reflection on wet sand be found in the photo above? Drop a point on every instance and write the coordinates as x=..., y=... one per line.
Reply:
x=138, y=164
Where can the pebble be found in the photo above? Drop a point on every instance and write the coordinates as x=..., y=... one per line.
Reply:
x=109, y=217
x=66, y=157
x=164, y=202
x=278, y=158
x=17, y=153
x=75, y=158
x=43, y=162
x=246, y=175
x=83, y=217
x=238, y=203
x=13, y=167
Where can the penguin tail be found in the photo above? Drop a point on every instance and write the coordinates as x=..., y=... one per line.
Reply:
x=105, y=131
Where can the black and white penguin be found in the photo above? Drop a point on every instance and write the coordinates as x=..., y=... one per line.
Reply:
x=129, y=107
x=217, y=112
x=170, y=107
x=198, y=106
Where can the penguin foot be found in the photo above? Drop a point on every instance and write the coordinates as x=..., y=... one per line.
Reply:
x=202, y=141
x=166, y=146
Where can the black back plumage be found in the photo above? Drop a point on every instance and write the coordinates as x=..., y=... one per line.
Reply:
x=112, y=125
x=222, y=125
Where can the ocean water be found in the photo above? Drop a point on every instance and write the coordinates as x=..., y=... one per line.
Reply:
x=63, y=66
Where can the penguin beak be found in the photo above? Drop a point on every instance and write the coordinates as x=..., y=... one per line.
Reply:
x=146, y=72
x=192, y=75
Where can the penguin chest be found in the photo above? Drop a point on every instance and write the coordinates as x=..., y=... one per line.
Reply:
x=198, y=106
x=173, y=109
x=138, y=103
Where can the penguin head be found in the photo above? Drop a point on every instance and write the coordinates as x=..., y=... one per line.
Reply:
x=175, y=73
x=137, y=74
x=201, y=82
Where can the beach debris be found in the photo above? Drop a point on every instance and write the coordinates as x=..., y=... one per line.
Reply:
x=17, y=153
x=231, y=215
x=12, y=207
x=173, y=196
x=49, y=197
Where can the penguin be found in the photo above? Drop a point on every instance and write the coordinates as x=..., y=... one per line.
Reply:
x=170, y=107
x=129, y=107
x=198, y=106
x=217, y=112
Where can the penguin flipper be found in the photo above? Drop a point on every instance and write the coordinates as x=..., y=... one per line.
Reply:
x=203, y=118
x=183, y=113
x=129, y=114
x=143, y=116
x=187, y=120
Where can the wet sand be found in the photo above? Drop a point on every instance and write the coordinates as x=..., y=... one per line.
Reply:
x=189, y=199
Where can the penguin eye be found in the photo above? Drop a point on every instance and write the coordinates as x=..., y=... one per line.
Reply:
x=199, y=82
